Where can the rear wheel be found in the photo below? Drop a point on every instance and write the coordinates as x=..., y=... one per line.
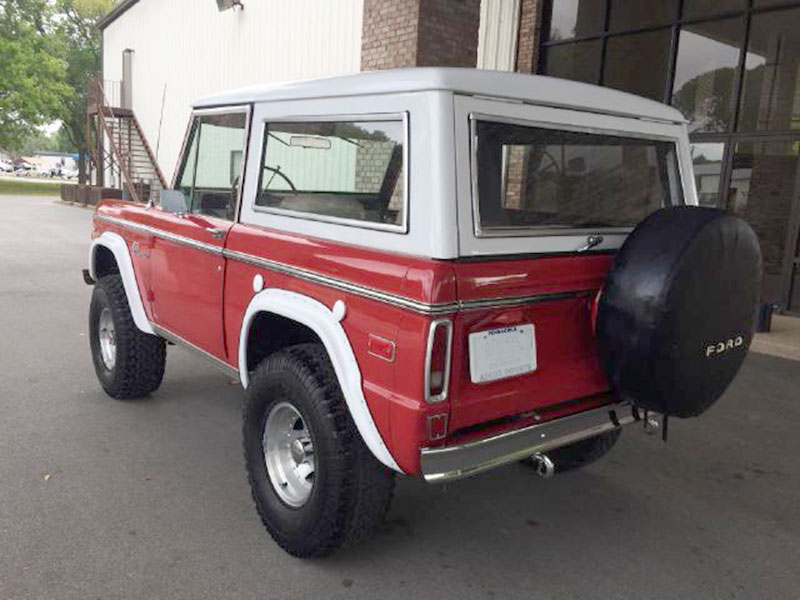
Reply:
x=128, y=362
x=315, y=484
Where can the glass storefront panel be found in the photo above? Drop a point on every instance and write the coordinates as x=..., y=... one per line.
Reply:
x=707, y=162
x=638, y=63
x=771, y=89
x=576, y=18
x=701, y=9
x=760, y=3
x=794, y=290
x=705, y=73
x=762, y=190
x=579, y=61
x=635, y=14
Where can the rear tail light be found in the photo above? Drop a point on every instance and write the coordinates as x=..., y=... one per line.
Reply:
x=437, y=360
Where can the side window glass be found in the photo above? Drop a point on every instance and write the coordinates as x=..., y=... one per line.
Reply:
x=186, y=178
x=218, y=144
x=347, y=170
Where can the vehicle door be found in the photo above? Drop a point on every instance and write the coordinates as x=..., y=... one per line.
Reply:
x=188, y=267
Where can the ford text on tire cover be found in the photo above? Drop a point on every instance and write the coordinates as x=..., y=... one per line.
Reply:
x=428, y=272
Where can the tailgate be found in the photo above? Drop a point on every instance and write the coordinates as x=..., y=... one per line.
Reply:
x=555, y=295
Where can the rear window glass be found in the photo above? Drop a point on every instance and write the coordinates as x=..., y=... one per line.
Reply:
x=536, y=178
x=344, y=170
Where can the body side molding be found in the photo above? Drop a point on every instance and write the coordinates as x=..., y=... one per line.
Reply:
x=116, y=244
x=325, y=323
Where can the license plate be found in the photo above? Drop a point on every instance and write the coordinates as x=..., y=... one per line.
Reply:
x=500, y=353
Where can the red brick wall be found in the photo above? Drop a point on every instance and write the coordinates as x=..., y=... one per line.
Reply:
x=448, y=33
x=405, y=33
x=528, y=41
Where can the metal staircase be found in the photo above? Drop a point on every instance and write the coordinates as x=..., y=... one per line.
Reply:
x=118, y=147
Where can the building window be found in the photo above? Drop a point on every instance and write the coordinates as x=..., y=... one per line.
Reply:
x=705, y=73
x=628, y=15
x=576, y=18
x=638, y=63
x=579, y=61
x=703, y=9
x=707, y=162
x=732, y=67
x=771, y=89
x=762, y=188
x=630, y=45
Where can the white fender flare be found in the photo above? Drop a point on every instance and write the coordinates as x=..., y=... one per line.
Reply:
x=326, y=324
x=116, y=244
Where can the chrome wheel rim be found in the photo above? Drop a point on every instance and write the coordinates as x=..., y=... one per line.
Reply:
x=107, y=338
x=289, y=454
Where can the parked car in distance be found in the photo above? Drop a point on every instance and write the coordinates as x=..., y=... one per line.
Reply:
x=6, y=167
x=42, y=172
x=430, y=272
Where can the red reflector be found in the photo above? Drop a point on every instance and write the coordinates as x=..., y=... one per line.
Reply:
x=381, y=347
x=437, y=427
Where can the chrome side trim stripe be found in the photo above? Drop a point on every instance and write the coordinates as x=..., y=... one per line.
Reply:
x=160, y=233
x=345, y=286
x=426, y=308
x=178, y=340
x=503, y=302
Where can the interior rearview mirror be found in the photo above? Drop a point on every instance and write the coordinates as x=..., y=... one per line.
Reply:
x=310, y=141
x=173, y=201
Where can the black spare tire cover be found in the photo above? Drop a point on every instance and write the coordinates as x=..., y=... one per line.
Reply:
x=679, y=307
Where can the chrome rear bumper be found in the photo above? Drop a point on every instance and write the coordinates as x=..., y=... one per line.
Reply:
x=455, y=462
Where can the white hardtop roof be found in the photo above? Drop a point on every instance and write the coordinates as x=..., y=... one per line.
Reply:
x=533, y=89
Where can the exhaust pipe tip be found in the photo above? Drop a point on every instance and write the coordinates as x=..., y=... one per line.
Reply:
x=543, y=465
x=651, y=425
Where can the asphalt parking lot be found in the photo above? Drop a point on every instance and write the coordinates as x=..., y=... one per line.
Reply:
x=148, y=499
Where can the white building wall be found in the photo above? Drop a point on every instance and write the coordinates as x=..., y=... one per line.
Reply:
x=196, y=50
x=498, y=33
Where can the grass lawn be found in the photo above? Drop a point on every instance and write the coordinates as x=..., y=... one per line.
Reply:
x=20, y=187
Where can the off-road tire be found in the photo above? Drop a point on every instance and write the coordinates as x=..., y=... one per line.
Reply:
x=582, y=453
x=351, y=492
x=140, y=357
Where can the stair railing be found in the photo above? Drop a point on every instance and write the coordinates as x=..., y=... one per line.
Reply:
x=124, y=163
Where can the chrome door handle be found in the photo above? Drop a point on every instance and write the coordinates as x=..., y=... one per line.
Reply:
x=216, y=233
x=591, y=242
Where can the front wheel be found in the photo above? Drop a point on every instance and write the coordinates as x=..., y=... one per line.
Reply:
x=128, y=362
x=315, y=484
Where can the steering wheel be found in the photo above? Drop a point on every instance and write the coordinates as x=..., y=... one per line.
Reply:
x=277, y=171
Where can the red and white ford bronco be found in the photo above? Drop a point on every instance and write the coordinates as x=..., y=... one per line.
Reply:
x=431, y=272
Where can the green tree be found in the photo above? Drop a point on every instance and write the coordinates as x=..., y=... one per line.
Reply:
x=32, y=71
x=78, y=37
x=706, y=99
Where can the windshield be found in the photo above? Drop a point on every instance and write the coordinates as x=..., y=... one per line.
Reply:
x=536, y=178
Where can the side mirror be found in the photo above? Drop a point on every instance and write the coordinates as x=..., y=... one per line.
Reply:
x=173, y=201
